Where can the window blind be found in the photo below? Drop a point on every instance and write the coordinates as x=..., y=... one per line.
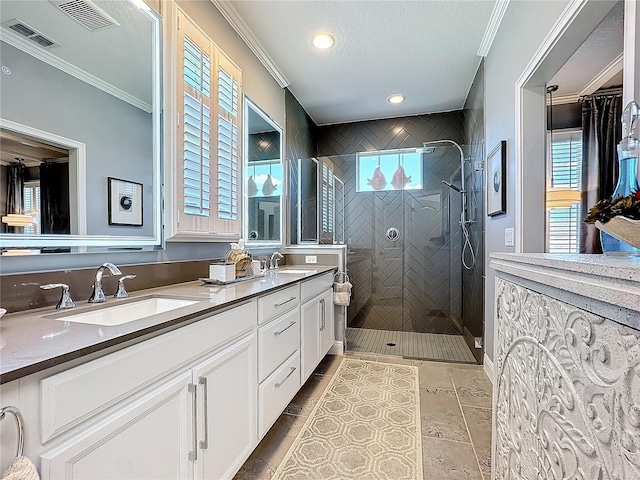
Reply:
x=564, y=181
x=566, y=160
x=227, y=169
x=196, y=130
x=564, y=229
x=32, y=207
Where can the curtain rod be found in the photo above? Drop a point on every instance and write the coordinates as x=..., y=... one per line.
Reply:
x=608, y=92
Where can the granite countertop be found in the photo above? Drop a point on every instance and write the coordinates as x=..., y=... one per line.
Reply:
x=605, y=285
x=35, y=340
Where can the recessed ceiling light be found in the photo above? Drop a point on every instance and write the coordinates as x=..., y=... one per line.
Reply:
x=396, y=98
x=322, y=40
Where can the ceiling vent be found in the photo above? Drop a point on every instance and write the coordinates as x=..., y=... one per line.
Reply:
x=18, y=26
x=86, y=13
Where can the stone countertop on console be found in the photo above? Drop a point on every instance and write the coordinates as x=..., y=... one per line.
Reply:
x=32, y=341
x=605, y=285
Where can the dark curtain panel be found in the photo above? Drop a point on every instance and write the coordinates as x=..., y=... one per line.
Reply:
x=601, y=132
x=15, y=191
x=54, y=198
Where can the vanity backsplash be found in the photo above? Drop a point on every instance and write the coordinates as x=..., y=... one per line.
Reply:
x=21, y=291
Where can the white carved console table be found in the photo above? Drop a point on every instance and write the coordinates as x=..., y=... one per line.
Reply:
x=567, y=367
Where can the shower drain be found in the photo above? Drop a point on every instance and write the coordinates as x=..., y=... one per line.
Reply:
x=391, y=344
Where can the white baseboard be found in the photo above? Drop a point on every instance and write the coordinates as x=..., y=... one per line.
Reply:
x=487, y=364
x=337, y=348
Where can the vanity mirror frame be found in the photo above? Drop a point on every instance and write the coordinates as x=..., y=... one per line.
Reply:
x=95, y=243
x=250, y=104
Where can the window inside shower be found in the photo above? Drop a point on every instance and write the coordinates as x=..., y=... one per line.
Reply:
x=389, y=170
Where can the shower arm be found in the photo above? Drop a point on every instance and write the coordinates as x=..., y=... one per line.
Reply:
x=463, y=189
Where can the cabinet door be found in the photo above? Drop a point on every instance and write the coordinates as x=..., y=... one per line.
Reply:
x=310, y=322
x=147, y=439
x=326, y=323
x=227, y=410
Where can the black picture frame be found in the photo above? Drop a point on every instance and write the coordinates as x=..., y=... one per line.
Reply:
x=496, y=180
x=125, y=202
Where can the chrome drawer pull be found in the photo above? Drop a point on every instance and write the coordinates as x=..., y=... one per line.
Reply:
x=286, y=301
x=278, y=385
x=193, y=455
x=204, y=444
x=284, y=329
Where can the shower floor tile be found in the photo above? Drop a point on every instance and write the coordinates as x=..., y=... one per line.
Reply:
x=428, y=346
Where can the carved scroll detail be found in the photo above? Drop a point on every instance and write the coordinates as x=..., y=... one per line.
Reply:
x=567, y=391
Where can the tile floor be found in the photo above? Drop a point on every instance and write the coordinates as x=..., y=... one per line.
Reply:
x=455, y=406
x=427, y=346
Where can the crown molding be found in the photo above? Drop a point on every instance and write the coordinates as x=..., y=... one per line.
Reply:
x=604, y=76
x=499, y=9
x=562, y=99
x=233, y=17
x=37, y=52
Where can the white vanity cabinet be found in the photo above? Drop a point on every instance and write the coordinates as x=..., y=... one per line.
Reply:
x=316, y=337
x=226, y=433
x=190, y=411
x=147, y=439
x=278, y=354
x=317, y=323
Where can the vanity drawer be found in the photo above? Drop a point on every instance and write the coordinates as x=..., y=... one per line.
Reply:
x=278, y=302
x=276, y=392
x=315, y=286
x=75, y=395
x=277, y=340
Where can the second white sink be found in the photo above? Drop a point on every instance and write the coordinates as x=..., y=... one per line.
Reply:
x=128, y=311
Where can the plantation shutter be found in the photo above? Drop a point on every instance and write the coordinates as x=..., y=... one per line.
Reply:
x=563, y=192
x=327, y=183
x=208, y=135
x=195, y=129
x=228, y=146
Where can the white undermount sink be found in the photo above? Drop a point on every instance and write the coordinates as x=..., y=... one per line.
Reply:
x=125, y=311
x=294, y=270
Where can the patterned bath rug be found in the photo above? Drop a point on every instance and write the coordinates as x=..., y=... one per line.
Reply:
x=366, y=425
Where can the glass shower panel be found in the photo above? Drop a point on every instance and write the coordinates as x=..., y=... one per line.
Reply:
x=404, y=245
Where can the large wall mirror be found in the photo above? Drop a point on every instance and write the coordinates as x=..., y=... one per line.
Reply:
x=80, y=125
x=263, y=177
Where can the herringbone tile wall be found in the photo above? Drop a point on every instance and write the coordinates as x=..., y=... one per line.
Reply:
x=300, y=141
x=413, y=284
x=473, y=280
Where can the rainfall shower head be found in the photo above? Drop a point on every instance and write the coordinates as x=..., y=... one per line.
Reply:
x=457, y=189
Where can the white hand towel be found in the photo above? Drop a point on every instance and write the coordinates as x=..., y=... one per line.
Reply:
x=21, y=469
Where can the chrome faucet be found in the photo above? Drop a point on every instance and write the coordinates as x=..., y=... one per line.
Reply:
x=97, y=296
x=65, y=300
x=275, y=257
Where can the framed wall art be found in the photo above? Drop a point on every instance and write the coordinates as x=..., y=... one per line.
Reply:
x=125, y=202
x=496, y=168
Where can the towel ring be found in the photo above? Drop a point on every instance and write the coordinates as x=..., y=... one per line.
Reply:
x=346, y=277
x=20, y=421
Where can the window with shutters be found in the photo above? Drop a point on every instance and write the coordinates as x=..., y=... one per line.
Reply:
x=208, y=133
x=228, y=166
x=32, y=207
x=564, y=178
x=196, y=124
x=328, y=192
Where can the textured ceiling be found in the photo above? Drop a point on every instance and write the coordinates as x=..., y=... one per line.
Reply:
x=426, y=50
x=604, y=44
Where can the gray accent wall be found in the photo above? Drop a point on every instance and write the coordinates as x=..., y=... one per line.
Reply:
x=118, y=136
x=300, y=138
x=473, y=280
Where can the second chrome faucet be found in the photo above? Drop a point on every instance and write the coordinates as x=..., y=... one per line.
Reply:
x=97, y=296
